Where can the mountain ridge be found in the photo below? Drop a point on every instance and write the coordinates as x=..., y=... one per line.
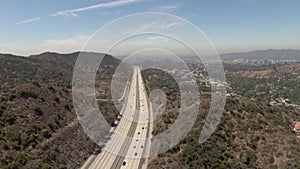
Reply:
x=46, y=67
x=268, y=54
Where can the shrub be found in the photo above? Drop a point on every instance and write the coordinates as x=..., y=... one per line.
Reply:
x=2, y=107
x=38, y=111
x=248, y=157
x=13, y=140
x=48, y=155
x=46, y=166
x=30, y=129
x=35, y=82
x=260, y=118
x=13, y=164
x=22, y=158
x=13, y=136
x=56, y=99
x=51, y=88
x=33, y=164
x=28, y=140
x=46, y=133
x=8, y=117
x=62, y=166
x=3, y=98
x=27, y=94
x=3, y=145
x=12, y=97
x=67, y=107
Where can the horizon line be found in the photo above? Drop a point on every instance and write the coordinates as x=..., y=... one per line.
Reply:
x=66, y=53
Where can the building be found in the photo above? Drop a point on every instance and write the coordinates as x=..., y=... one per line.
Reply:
x=297, y=127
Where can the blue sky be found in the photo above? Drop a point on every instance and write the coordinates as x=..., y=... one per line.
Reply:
x=64, y=25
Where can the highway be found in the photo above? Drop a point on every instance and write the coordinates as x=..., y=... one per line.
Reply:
x=127, y=144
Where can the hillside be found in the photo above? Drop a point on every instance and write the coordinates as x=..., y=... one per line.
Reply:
x=250, y=135
x=38, y=124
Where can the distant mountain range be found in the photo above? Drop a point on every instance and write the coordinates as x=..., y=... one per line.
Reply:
x=270, y=54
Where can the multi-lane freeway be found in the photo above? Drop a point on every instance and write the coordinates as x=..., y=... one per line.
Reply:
x=129, y=143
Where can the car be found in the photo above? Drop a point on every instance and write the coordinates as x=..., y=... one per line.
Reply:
x=97, y=150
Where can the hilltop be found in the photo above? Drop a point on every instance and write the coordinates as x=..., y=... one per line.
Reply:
x=46, y=67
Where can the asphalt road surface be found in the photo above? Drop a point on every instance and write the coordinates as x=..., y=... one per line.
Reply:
x=127, y=146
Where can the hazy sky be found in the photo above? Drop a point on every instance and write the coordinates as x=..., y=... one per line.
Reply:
x=32, y=26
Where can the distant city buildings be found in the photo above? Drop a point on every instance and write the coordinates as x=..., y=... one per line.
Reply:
x=259, y=62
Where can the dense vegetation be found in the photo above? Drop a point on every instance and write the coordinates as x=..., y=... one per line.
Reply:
x=251, y=134
x=153, y=79
x=38, y=125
